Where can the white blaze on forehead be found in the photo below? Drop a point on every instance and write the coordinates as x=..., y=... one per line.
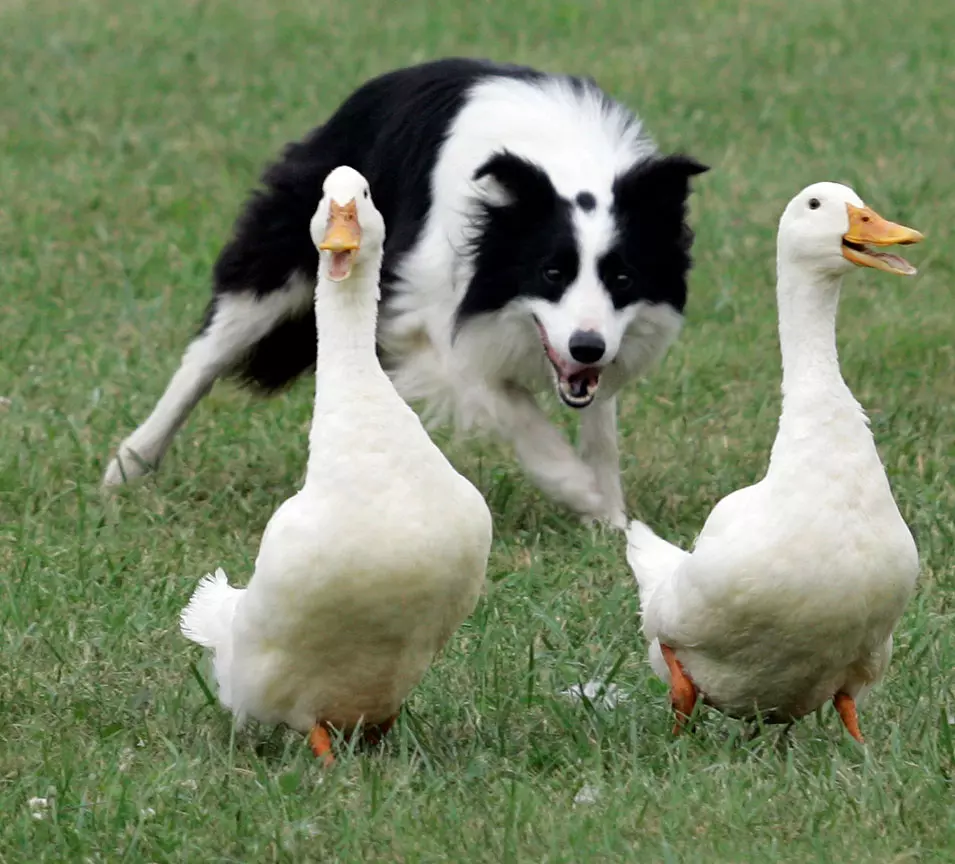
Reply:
x=587, y=299
x=595, y=232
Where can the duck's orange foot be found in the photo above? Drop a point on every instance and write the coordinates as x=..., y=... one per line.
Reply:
x=373, y=735
x=320, y=741
x=683, y=691
x=846, y=706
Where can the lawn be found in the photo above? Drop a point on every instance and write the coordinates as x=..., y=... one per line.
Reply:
x=130, y=135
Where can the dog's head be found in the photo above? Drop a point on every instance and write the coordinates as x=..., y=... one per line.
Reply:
x=582, y=266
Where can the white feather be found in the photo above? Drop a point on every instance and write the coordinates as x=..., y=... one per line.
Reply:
x=207, y=620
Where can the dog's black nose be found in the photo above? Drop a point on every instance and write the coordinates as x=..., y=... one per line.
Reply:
x=587, y=346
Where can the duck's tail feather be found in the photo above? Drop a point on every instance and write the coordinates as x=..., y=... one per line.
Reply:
x=652, y=559
x=207, y=620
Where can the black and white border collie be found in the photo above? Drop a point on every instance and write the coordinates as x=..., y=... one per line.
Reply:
x=534, y=235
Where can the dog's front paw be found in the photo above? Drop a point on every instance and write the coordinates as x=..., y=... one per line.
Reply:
x=612, y=518
x=127, y=465
x=618, y=519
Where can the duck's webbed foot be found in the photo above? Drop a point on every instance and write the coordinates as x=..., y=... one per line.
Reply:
x=846, y=706
x=320, y=740
x=683, y=692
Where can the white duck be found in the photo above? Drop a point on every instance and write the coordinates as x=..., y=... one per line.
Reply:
x=794, y=585
x=364, y=574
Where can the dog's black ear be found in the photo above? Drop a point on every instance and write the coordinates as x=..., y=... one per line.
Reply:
x=512, y=180
x=664, y=177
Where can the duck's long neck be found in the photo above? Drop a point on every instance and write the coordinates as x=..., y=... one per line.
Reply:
x=818, y=407
x=346, y=315
x=808, y=304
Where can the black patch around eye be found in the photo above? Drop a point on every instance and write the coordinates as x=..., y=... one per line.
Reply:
x=653, y=237
x=524, y=248
x=558, y=271
x=618, y=278
x=586, y=201
x=552, y=275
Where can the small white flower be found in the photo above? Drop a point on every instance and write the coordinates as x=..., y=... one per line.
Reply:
x=125, y=758
x=587, y=795
x=38, y=807
x=606, y=695
x=295, y=831
x=147, y=813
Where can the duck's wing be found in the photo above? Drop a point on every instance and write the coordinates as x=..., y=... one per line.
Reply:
x=678, y=588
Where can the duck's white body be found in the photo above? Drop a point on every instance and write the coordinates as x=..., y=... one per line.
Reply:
x=795, y=584
x=364, y=574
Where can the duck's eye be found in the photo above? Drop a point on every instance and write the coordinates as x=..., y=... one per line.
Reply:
x=552, y=275
x=366, y=192
x=814, y=203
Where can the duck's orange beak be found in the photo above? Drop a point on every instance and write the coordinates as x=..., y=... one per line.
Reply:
x=868, y=228
x=342, y=238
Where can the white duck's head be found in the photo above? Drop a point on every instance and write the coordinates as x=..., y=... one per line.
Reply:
x=828, y=229
x=347, y=228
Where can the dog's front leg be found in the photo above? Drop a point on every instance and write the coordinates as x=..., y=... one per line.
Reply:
x=544, y=452
x=599, y=448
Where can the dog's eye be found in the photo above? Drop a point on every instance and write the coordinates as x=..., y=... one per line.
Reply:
x=622, y=281
x=553, y=275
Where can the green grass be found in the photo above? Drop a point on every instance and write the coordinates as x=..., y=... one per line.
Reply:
x=130, y=134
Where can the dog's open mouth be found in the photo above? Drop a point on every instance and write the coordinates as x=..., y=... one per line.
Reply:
x=576, y=384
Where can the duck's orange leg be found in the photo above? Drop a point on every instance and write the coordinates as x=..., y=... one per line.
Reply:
x=320, y=741
x=373, y=735
x=682, y=690
x=846, y=706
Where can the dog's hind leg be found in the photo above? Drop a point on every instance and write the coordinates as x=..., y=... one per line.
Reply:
x=600, y=449
x=237, y=326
